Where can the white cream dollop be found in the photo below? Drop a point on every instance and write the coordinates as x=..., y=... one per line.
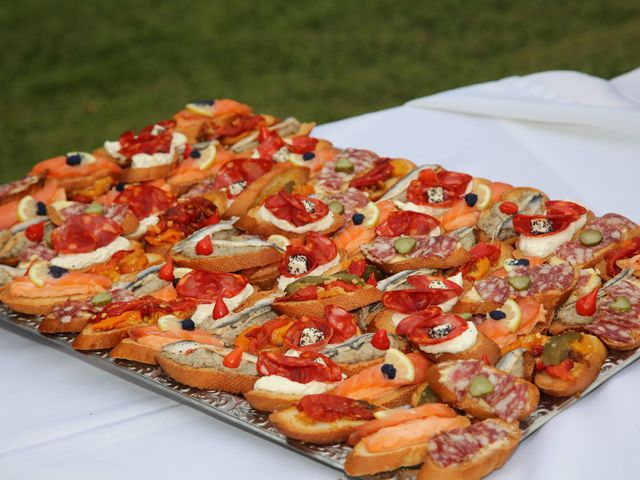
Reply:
x=77, y=261
x=462, y=342
x=414, y=207
x=319, y=270
x=544, y=245
x=319, y=225
x=277, y=384
x=205, y=310
x=143, y=226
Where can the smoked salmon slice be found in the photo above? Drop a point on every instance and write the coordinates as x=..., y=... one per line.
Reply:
x=371, y=383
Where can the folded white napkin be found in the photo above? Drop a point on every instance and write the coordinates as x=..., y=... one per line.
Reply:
x=563, y=97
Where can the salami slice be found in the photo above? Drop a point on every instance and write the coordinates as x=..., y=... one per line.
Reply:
x=208, y=286
x=40, y=251
x=441, y=246
x=382, y=248
x=613, y=228
x=67, y=311
x=461, y=444
x=493, y=289
x=144, y=200
x=614, y=326
x=331, y=181
x=509, y=397
x=351, y=199
x=84, y=233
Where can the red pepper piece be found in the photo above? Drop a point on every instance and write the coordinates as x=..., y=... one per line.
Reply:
x=509, y=208
x=357, y=267
x=204, y=246
x=381, y=340
x=562, y=370
x=232, y=360
x=35, y=232
x=372, y=279
x=586, y=305
x=187, y=151
x=213, y=219
x=166, y=272
x=220, y=309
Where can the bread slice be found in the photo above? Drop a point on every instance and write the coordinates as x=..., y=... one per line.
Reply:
x=281, y=175
x=229, y=263
x=457, y=258
x=35, y=306
x=361, y=462
x=270, y=401
x=147, y=174
x=263, y=277
x=129, y=349
x=21, y=188
x=489, y=458
x=90, y=339
x=206, y=378
x=250, y=223
x=294, y=424
x=475, y=406
x=129, y=224
x=351, y=369
x=51, y=324
x=586, y=369
x=348, y=301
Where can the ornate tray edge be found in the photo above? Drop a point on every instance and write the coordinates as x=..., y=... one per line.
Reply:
x=234, y=410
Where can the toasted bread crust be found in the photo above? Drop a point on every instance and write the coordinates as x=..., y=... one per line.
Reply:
x=206, y=378
x=129, y=349
x=73, y=184
x=146, y=174
x=360, y=462
x=348, y=301
x=473, y=406
x=351, y=369
x=35, y=306
x=584, y=373
x=249, y=223
x=270, y=401
x=479, y=466
x=51, y=324
x=288, y=423
x=89, y=339
x=262, y=277
x=457, y=258
x=229, y=263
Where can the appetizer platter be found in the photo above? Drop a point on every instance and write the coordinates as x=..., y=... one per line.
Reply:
x=387, y=319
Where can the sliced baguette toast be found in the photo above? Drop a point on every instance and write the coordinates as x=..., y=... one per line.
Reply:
x=292, y=424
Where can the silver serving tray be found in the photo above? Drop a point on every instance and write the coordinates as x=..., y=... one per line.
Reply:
x=236, y=411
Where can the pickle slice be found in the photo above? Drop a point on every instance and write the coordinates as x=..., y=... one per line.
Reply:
x=620, y=304
x=480, y=386
x=520, y=282
x=557, y=348
x=404, y=245
x=344, y=165
x=590, y=238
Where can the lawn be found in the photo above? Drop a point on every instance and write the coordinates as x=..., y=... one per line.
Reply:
x=76, y=73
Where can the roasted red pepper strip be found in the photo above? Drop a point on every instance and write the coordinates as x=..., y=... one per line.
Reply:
x=325, y=407
x=166, y=272
x=627, y=249
x=562, y=370
x=35, y=232
x=381, y=340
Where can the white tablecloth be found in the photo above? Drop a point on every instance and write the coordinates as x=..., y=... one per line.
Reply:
x=62, y=418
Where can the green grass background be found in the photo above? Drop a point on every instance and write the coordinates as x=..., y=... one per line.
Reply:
x=74, y=73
